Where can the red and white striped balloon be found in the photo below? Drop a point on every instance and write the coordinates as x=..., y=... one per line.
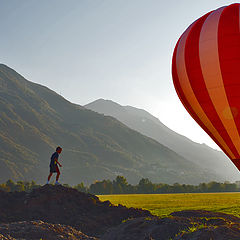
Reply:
x=206, y=75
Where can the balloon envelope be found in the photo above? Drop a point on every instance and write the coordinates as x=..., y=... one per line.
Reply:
x=206, y=76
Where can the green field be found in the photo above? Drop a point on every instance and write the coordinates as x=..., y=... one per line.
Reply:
x=164, y=204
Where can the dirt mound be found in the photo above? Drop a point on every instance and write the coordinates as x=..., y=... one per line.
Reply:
x=62, y=205
x=64, y=213
x=35, y=230
x=194, y=225
x=204, y=214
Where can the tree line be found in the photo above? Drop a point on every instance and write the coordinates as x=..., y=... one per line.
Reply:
x=121, y=186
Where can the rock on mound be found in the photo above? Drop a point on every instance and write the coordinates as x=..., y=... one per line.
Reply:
x=62, y=205
x=194, y=225
x=33, y=230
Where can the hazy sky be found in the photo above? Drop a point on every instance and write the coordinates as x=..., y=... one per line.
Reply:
x=113, y=49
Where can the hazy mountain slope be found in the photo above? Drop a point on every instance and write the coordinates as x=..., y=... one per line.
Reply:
x=34, y=120
x=149, y=125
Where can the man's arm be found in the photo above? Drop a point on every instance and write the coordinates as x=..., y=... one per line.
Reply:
x=56, y=160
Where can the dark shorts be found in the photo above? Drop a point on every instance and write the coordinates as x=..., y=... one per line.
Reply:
x=54, y=168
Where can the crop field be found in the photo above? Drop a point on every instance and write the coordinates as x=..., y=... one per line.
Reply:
x=164, y=204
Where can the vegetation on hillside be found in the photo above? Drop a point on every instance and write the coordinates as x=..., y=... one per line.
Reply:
x=11, y=186
x=145, y=186
x=121, y=186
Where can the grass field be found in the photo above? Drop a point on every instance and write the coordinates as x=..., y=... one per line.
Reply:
x=164, y=204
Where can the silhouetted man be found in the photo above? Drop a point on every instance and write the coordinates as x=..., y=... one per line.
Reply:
x=54, y=165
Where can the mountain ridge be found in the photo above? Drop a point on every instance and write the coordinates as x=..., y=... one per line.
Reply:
x=142, y=121
x=34, y=120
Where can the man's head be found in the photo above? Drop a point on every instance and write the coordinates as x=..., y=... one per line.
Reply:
x=58, y=150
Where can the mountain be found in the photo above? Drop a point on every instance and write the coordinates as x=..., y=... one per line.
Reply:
x=142, y=121
x=34, y=120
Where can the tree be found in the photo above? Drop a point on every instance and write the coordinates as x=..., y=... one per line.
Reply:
x=19, y=187
x=203, y=187
x=120, y=185
x=229, y=187
x=214, y=187
x=101, y=187
x=81, y=188
x=145, y=186
x=3, y=187
x=10, y=185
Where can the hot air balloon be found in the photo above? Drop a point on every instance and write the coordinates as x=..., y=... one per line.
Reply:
x=206, y=76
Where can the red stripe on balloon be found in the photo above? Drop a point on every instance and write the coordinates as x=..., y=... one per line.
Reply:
x=229, y=57
x=236, y=163
x=198, y=85
x=211, y=70
x=186, y=103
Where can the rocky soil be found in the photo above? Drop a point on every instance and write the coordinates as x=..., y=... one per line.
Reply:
x=56, y=212
x=194, y=225
x=35, y=230
x=62, y=205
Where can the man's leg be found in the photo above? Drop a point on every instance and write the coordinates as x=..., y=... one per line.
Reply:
x=57, y=177
x=49, y=176
x=58, y=174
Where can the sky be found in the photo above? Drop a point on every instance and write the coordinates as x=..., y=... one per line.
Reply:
x=119, y=50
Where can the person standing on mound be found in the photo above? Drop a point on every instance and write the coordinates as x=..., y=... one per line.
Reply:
x=54, y=165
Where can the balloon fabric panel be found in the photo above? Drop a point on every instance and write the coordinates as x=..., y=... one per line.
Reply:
x=229, y=57
x=199, y=86
x=206, y=76
x=195, y=111
x=212, y=75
